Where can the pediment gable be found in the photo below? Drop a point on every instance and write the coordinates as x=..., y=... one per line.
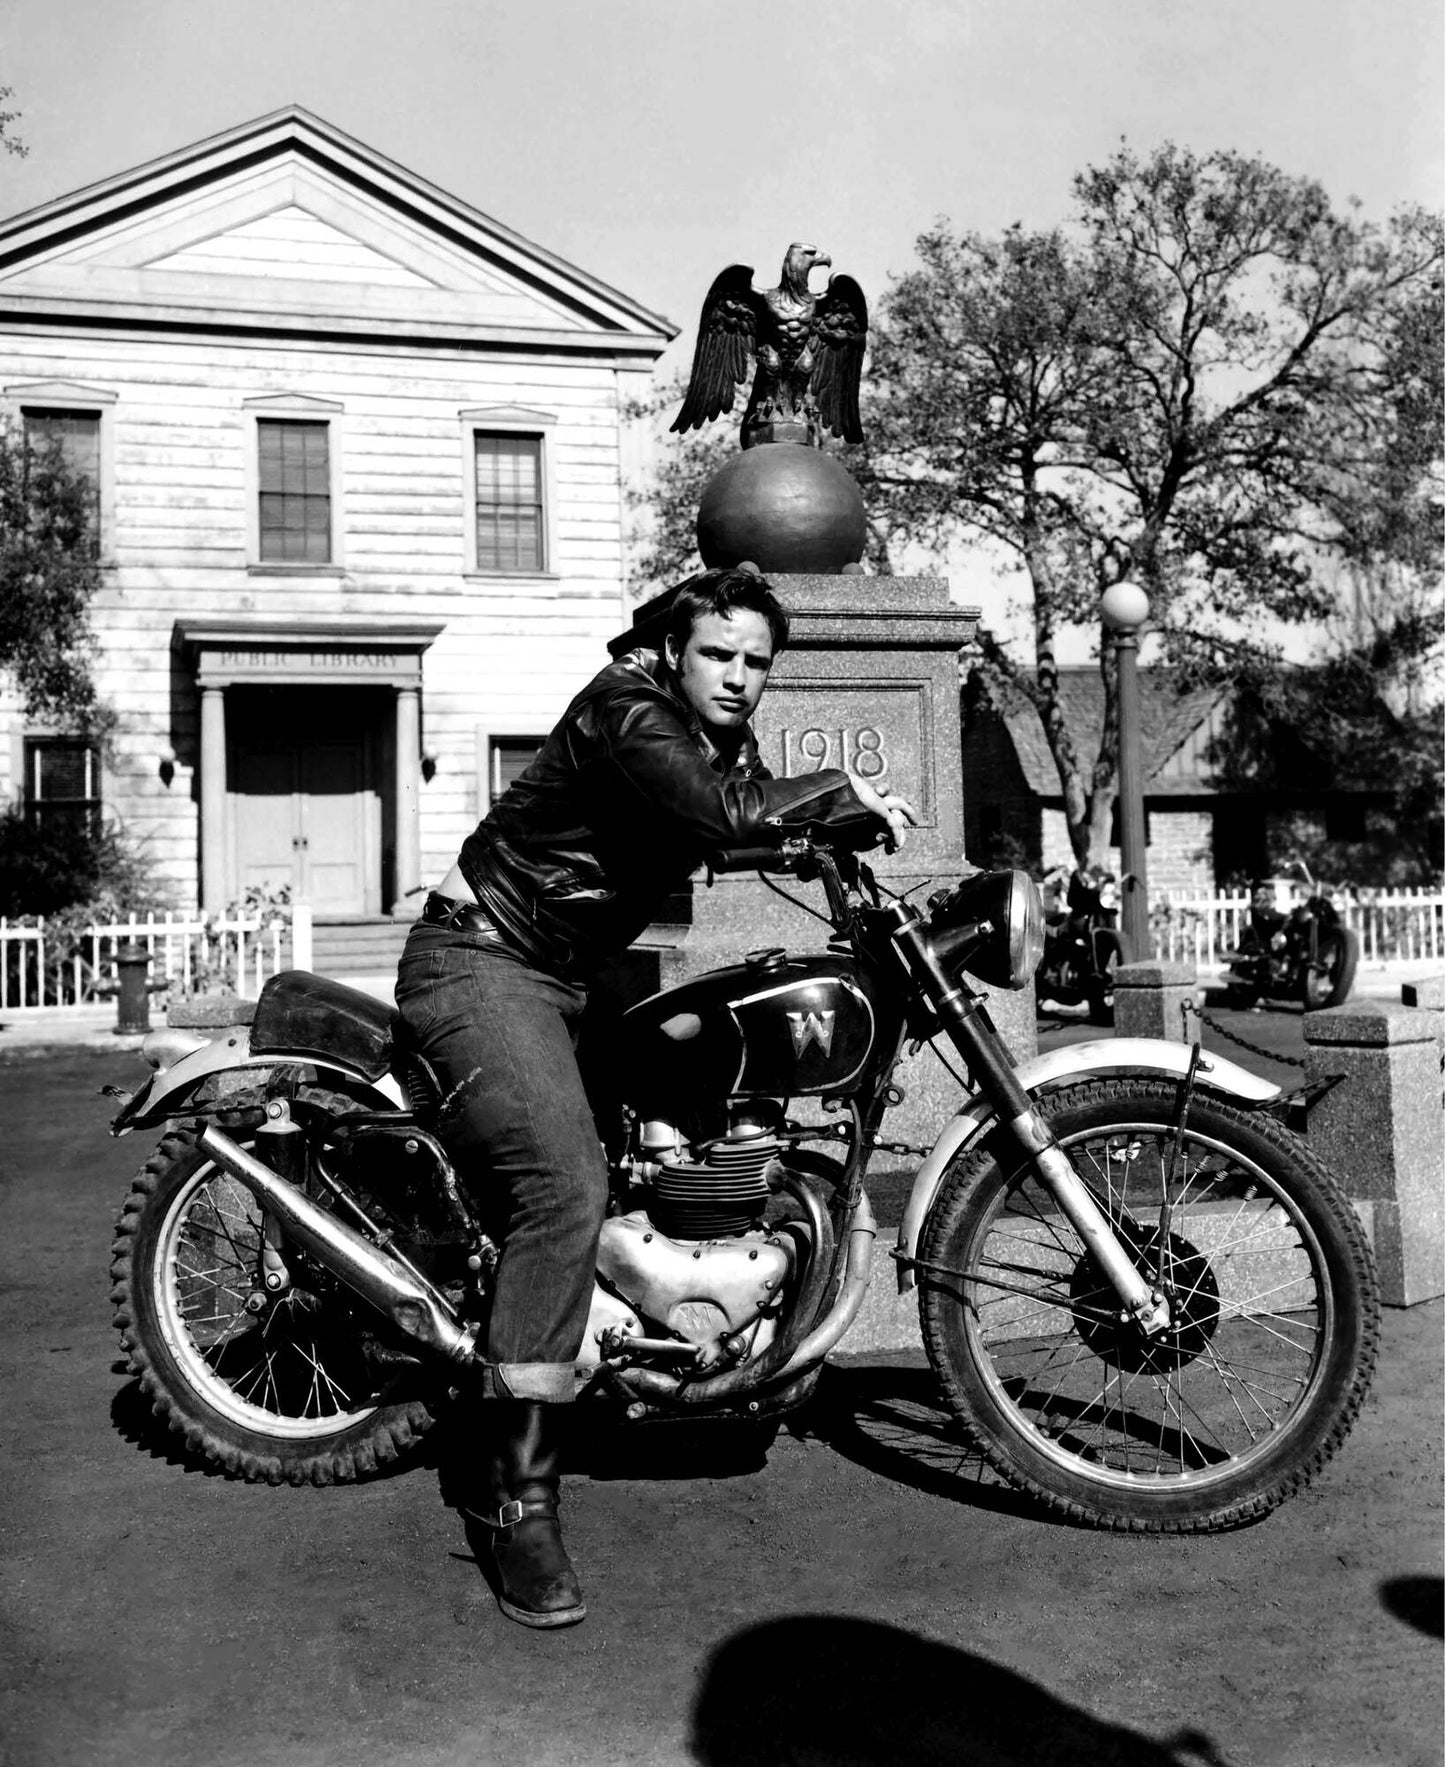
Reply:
x=289, y=218
x=289, y=242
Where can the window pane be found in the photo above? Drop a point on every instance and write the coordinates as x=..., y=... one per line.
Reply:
x=294, y=461
x=62, y=780
x=511, y=757
x=509, y=503
x=78, y=433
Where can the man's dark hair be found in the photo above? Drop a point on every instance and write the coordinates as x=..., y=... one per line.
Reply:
x=722, y=592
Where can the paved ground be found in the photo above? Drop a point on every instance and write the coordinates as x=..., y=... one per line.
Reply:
x=863, y=1597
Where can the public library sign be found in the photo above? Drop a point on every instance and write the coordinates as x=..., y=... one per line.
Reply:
x=371, y=652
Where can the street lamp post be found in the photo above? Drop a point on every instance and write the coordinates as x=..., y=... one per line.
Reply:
x=1125, y=607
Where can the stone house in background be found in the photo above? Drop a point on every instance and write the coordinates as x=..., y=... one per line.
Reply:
x=1201, y=832
x=360, y=458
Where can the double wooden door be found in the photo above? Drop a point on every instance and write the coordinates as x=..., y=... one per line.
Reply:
x=306, y=810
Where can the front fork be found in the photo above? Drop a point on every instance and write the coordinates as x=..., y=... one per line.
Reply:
x=979, y=1046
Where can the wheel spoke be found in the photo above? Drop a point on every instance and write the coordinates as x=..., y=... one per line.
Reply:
x=1235, y=1242
x=292, y=1370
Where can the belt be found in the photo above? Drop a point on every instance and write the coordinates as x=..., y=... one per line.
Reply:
x=465, y=916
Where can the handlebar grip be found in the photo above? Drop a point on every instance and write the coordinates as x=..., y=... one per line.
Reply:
x=746, y=859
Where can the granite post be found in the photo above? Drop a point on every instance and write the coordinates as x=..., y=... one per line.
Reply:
x=869, y=681
x=1382, y=1132
x=1157, y=1000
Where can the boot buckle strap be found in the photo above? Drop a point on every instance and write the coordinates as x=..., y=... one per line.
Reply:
x=509, y=1514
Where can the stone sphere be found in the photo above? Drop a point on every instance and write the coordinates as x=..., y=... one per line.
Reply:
x=787, y=508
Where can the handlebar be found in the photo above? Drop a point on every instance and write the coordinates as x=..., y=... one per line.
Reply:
x=747, y=859
x=839, y=841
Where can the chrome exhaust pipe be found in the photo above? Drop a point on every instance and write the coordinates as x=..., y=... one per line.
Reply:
x=863, y=1230
x=403, y=1296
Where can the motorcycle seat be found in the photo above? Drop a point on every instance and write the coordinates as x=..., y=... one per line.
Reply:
x=303, y=1014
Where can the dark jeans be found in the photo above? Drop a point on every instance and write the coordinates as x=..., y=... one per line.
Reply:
x=502, y=1038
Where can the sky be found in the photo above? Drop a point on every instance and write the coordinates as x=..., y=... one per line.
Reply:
x=653, y=142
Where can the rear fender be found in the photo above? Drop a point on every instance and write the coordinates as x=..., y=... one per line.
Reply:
x=165, y=1092
x=1066, y=1067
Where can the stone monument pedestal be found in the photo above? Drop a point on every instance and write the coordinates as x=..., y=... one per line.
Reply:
x=1382, y=1132
x=1157, y=1000
x=869, y=682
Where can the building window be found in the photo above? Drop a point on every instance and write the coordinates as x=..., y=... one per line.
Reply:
x=509, y=760
x=1345, y=820
x=62, y=782
x=294, y=462
x=510, y=514
x=77, y=435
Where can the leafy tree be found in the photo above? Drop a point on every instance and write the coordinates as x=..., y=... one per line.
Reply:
x=54, y=863
x=1210, y=373
x=1212, y=366
x=1355, y=721
x=49, y=574
x=9, y=141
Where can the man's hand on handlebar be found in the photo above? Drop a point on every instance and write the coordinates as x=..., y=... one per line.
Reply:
x=897, y=812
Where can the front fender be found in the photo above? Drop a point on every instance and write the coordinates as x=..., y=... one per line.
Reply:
x=1063, y=1067
x=164, y=1093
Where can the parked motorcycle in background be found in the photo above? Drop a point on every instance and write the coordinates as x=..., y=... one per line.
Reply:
x=1081, y=946
x=1296, y=947
x=1146, y=1301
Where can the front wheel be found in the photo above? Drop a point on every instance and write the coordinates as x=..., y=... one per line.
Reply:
x=288, y=1393
x=1272, y=1292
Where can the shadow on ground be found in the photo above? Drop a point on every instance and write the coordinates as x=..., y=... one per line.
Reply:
x=1418, y=1601
x=135, y=1420
x=813, y=1689
x=891, y=1420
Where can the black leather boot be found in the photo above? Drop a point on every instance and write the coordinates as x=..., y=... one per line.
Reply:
x=539, y=1586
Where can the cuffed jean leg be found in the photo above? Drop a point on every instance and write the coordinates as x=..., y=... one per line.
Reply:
x=515, y=1119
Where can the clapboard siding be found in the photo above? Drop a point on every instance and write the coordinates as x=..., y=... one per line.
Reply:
x=178, y=428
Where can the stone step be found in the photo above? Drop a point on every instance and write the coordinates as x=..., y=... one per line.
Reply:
x=356, y=944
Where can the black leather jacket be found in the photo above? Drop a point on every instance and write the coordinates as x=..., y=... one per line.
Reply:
x=624, y=800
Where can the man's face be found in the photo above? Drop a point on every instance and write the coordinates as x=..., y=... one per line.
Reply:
x=723, y=669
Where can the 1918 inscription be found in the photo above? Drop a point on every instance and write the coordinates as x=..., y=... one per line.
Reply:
x=860, y=750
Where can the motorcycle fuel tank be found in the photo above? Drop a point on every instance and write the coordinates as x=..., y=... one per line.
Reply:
x=773, y=1026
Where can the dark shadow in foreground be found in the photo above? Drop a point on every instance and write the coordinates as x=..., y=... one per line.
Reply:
x=819, y=1692
x=1418, y=1601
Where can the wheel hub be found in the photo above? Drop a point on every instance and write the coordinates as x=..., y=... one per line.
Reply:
x=1187, y=1280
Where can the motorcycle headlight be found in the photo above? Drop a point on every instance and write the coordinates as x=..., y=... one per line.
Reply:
x=992, y=925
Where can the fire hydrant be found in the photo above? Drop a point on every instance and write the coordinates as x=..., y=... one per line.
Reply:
x=133, y=999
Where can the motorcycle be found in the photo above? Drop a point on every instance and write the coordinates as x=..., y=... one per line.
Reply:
x=1146, y=1301
x=1081, y=947
x=1296, y=946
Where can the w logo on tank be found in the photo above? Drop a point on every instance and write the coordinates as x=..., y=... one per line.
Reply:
x=811, y=1027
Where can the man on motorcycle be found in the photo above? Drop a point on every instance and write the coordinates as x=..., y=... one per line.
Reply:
x=652, y=768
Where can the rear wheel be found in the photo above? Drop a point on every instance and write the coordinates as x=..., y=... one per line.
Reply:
x=1275, y=1314
x=1328, y=982
x=287, y=1393
x=1100, y=986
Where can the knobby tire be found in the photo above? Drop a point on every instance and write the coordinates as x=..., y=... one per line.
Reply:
x=1276, y=1296
x=171, y=1360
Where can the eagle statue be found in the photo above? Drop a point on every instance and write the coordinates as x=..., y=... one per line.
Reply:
x=808, y=349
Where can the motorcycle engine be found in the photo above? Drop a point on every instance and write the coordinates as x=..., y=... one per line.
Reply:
x=696, y=1262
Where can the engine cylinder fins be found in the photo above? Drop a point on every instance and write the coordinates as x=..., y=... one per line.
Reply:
x=725, y=1195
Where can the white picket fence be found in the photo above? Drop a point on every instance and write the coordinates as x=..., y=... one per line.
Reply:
x=44, y=967
x=1394, y=926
